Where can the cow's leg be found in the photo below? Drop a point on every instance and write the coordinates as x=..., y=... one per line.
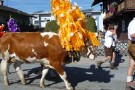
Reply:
x=4, y=70
x=8, y=68
x=44, y=72
x=63, y=75
x=19, y=71
x=64, y=78
x=40, y=71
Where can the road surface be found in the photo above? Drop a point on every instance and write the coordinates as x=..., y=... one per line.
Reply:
x=83, y=75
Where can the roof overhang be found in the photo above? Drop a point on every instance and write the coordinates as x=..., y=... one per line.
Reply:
x=96, y=2
x=5, y=8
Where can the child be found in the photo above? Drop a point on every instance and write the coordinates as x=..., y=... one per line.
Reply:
x=109, y=47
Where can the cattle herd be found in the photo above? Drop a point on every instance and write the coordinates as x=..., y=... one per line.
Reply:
x=43, y=48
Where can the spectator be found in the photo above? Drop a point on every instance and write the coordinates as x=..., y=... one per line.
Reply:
x=100, y=35
x=131, y=49
x=109, y=47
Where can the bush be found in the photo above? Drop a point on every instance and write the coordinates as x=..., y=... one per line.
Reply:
x=91, y=25
x=52, y=26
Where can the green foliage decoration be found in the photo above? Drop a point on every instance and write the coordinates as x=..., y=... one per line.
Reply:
x=91, y=25
x=52, y=26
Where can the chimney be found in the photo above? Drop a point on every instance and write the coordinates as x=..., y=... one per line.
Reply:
x=1, y=2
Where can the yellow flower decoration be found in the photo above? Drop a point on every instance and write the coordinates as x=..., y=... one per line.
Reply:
x=72, y=31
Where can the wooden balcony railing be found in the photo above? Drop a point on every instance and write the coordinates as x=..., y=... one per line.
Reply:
x=127, y=4
x=108, y=15
x=121, y=6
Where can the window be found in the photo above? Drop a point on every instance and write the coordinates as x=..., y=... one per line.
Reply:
x=42, y=20
x=36, y=22
x=123, y=26
x=47, y=20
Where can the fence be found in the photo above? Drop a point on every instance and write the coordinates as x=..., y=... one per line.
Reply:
x=121, y=48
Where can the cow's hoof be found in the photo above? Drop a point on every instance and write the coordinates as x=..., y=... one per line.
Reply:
x=6, y=84
x=23, y=82
x=70, y=88
x=42, y=85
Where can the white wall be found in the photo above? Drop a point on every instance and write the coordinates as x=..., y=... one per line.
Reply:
x=42, y=19
x=101, y=21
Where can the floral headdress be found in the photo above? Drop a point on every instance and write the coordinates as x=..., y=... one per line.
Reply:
x=72, y=31
x=12, y=25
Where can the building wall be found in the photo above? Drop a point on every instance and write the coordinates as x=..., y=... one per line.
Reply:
x=40, y=20
x=2, y=18
x=22, y=21
x=97, y=17
x=101, y=26
x=43, y=18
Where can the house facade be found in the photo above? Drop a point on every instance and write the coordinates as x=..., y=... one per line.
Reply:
x=119, y=12
x=23, y=19
x=41, y=18
x=97, y=15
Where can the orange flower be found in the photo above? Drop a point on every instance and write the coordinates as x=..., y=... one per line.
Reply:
x=72, y=29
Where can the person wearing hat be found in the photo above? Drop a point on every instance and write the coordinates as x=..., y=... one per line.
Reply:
x=109, y=47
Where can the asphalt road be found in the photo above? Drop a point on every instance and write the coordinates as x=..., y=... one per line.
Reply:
x=83, y=75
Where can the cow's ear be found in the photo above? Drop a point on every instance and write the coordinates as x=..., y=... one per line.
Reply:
x=69, y=54
x=91, y=56
x=82, y=48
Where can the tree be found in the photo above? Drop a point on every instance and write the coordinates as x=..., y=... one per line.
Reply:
x=52, y=26
x=91, y=25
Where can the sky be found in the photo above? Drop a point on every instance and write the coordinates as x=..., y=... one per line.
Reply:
x=30, y=6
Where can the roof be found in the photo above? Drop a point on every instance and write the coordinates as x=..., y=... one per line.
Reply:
x=96, y=2
x=90, y=11
x=5, y=8
x=41, y=12
x=84, y=11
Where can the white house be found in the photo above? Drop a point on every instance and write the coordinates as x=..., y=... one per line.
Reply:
x=41, y=18
x=96, y=15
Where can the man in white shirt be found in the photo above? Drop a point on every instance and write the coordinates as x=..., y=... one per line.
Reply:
x=131, y=49
x=109, y=48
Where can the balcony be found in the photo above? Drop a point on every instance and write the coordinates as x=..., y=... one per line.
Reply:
x=126, y=5
x=108, y=15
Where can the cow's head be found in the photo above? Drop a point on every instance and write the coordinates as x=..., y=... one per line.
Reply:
x=89, y=51
x=73, y=56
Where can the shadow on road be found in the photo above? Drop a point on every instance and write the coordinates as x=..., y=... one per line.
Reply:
x=119, y=60
x=92, y=74
x=75, y=75
x=34, y=74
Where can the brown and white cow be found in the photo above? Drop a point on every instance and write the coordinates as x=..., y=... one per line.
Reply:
x=33, y=47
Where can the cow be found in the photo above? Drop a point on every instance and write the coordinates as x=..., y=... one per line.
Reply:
x=35, y=47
